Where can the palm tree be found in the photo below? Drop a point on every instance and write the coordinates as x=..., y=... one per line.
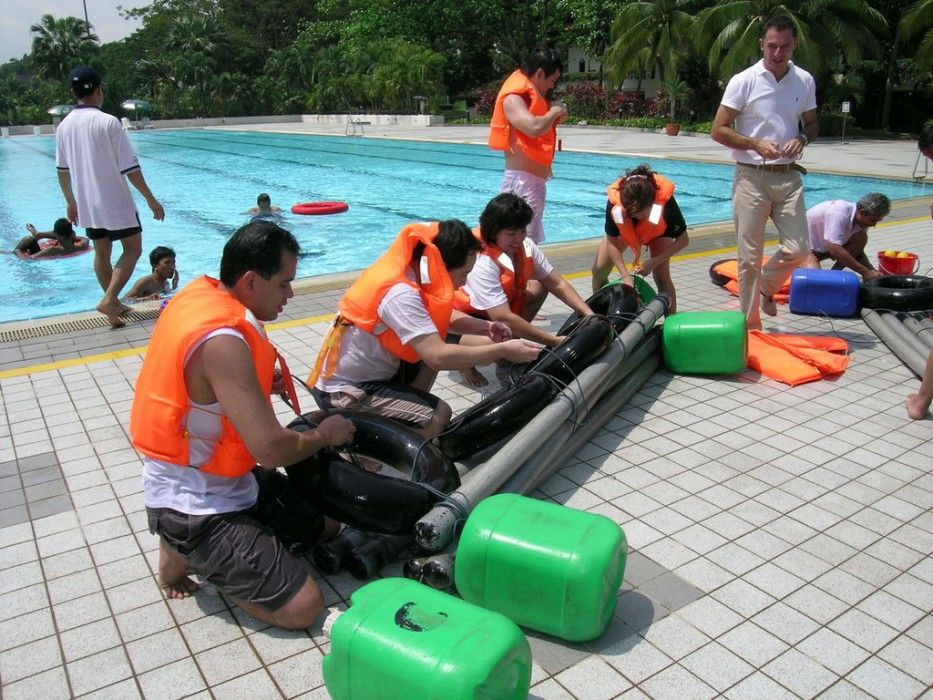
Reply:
x=827, y=30
x=649, y=34
x=60, y=44
x=918, y=21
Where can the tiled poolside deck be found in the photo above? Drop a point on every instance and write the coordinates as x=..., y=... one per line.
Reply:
x=780, y=538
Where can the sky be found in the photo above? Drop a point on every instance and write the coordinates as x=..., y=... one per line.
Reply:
x=16, y=16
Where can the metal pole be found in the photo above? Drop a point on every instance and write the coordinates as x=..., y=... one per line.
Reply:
x=904, y=352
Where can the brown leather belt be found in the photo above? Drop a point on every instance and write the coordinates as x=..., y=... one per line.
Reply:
x=775, y=167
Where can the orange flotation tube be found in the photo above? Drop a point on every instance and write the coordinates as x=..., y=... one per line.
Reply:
x=317, y=208
x=725, y=274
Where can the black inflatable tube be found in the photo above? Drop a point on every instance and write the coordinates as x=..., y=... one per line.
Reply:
x=497, y=416
x=617, y=301
x=587, y=341
x=369, y=501
x=898, y=293
x=718, y=279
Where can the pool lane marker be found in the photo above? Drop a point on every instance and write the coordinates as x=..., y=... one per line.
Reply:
x=282, y=325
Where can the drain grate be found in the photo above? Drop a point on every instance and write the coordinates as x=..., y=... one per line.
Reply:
x=40, y=328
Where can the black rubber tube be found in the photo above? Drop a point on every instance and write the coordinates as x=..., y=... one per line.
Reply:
x=618, y=302
x=898, y=293
x=718, y=278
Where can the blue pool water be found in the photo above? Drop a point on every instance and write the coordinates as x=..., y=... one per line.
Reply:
x=206, y=179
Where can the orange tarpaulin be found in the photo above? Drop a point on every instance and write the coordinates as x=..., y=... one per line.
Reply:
x=730, y=269
x=796, y=359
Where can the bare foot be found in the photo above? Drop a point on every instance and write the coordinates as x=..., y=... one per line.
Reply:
x=173, y=574
x=124, y=309
x=915, y=407
x=113, y=315
x=473, y=377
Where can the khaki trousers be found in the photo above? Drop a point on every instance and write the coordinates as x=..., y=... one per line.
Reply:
x=759, y=195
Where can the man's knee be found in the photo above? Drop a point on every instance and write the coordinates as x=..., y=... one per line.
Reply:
x=439, y=420
x=302, y=609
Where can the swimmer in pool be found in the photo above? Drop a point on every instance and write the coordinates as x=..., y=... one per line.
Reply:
x=163, y=280
x=63, y=237
x=264, y=208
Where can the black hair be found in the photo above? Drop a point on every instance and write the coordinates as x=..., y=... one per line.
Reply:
x=637, y=189
x=545, y=58
x=779, y=23
x=506, y=210
x=63, y=228
x=456, y=243
x=263, y=198
x=925, y=142
x=158, y=253
x=257, y=246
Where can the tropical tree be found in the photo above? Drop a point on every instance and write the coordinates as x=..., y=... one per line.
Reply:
x=60, y=44
x=918, y=22
x=649, y=34
x=828, y=31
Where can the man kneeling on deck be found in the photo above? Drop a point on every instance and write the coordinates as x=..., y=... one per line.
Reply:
x=512, y=277
x=839, y=231
x=388, y=341
x=202, y=419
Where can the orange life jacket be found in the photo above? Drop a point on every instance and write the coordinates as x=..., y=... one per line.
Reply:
x=796, y=359
x=730, y=269
x=635, y=235
x=513, y=276
x=539, y=148
x=359, y=306
x=161, y=402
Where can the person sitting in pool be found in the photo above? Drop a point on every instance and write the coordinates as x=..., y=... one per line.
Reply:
x=388, y=341
x=641, y=211
x=66, y=241
x=264, y=208
x=163, y=280
x=512, y=277
x=839, y=231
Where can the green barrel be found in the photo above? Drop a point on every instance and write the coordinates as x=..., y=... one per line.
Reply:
x=402, y=640
x=706, y=342
x=548, y=567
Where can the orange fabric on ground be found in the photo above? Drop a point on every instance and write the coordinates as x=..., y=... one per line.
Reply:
x=730, y=269
x=796, y=359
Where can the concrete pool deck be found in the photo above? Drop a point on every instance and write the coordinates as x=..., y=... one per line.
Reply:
x=780, y=538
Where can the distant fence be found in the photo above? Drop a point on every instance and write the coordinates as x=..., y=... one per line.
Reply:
x=196, y=122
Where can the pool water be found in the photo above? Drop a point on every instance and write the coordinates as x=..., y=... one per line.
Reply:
x=207, y=179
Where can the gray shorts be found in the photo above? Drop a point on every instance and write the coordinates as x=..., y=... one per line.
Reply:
x=394, y=399
x=238, y=552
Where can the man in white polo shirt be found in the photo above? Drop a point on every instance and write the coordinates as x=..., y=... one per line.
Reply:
x=767, y=116
x=839, y=231
x=93, y=154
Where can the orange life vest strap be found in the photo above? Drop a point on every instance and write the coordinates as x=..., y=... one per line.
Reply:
x=288, y=384
x=326, y=362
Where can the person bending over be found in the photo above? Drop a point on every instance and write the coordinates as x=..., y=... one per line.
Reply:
x=641, y=211
x=164, y=277
x=839, y=231
x=65, y=242
x=202, y=419
x=512, y=277
x=388, y=341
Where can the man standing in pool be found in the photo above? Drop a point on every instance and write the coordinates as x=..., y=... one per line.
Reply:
x=202, y=419
x=767, y=116
x=388, y=341
x=93, y=154
x=524, y=126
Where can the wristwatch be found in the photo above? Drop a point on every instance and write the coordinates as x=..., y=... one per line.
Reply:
x=803, y=137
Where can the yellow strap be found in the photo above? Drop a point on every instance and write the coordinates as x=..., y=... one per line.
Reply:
x=327, y=356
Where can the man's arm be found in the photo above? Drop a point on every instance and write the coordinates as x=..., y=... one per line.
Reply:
x=519, y=116
x=564, y=291
x=223, y=366
x=438, y=355
x=519, y=327
x=139, y=182
x=723, y=132
x=841, y=255
x=809, y=130
x=64, y=181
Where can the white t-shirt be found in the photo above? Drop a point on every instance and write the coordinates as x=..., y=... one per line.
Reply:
x=189, y=490
x=93, y=147
x=769, y=108
x=484, y=286
x=362, y=357
x=831, y=222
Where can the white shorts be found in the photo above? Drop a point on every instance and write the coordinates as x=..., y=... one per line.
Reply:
x=533, y=190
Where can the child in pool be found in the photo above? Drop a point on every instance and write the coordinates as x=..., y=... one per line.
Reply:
x=163, y=280
x=65, y=241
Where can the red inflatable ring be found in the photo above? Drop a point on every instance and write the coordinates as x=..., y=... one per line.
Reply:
x=315, y=208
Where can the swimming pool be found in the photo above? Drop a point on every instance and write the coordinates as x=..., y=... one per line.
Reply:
x=206, y=179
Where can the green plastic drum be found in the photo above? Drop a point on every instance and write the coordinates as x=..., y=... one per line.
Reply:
x=401, y=640
x=645, y=291
x=547, y=567
x=706, y=342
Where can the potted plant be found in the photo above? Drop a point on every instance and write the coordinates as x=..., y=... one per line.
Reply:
x=676, y=92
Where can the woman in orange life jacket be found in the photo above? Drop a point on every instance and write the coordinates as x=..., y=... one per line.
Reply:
x=641, y=211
